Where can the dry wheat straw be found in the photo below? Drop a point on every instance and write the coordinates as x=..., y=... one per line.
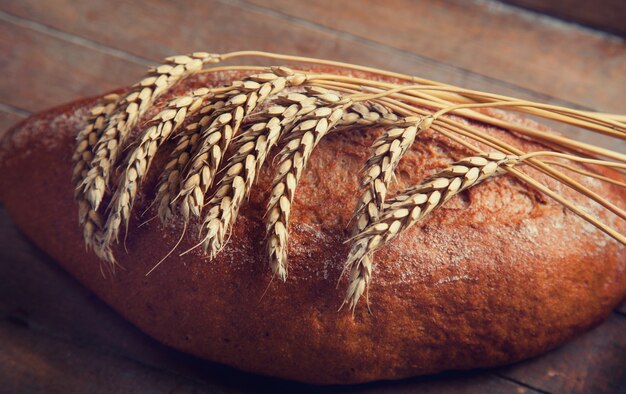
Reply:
x=215, y=139
x=292, y=159
x=413, y=205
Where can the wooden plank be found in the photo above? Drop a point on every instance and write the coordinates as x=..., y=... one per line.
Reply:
x=92, y=19
x=47, y=71
x=35, y=363
x=38, y=364
x=592, y=363
x=153, y=30
x=7, y=120
x=600, y=14
x=37, y=294
x=488, y=38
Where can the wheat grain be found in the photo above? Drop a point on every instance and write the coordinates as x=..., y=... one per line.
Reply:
x=411, y=206
x=292, y=159
x=162, y=126
x=366, y=114
x=88, y=136
x=215, y=139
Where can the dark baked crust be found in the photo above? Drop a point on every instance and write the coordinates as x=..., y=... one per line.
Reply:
x=497, y=275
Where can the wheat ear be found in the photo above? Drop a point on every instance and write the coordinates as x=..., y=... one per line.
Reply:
x=251, y=149
x=88, y=136
x=126, y=114
x=292, y=159
x=413, y=205
x=215, y=138
x=171, y=176
x=85, y=140
x=379, y=170
x=128, y=109
x=138, y=161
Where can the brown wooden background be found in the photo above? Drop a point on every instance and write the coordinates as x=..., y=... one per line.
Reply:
x=57, y=337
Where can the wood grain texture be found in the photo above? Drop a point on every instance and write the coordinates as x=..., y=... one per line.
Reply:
x=593, y=363
x=601, y=14
x=35, y=363
x=490, y=39
x=45, y=70
x=221, y=26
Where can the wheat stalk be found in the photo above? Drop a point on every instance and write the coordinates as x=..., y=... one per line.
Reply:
x=413, y=205
x=292, y=159
x=245, y=97
x=161, y=127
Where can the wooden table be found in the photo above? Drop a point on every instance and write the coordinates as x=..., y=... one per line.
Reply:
x=55, y=336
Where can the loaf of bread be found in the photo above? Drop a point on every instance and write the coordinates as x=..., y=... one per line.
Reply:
x=498, y=274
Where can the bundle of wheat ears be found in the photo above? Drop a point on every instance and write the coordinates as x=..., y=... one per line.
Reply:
x=223, y=137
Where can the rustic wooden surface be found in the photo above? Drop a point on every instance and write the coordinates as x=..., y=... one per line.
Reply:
x=57, y=337
x=607, y=15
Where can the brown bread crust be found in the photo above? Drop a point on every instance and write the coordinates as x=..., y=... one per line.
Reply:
x=497, y=275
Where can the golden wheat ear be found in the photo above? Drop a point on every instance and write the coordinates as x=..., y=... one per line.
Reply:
x=290, y=112
x=105, y=142
x=413, y=205
x=241, y=99
x=187, y=143
x=292, y=159
x=160, y=129
x=89, y=219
